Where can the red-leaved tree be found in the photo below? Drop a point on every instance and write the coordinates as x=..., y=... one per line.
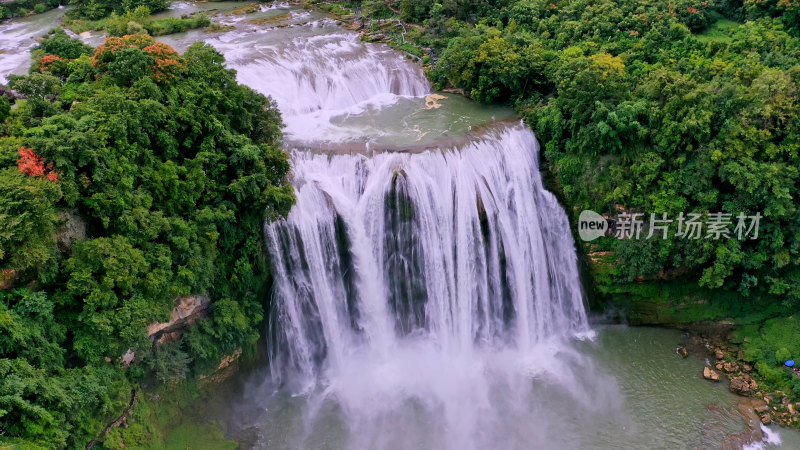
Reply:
x=32, y=164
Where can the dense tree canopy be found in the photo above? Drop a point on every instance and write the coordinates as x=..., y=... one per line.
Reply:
x=96, y=9
x=131, y=175
x=651, y=107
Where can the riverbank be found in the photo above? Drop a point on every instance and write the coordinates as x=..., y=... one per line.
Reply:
x=726, y=360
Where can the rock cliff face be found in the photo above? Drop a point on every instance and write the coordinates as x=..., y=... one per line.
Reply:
x=186, y=312
x=7, y=277
x=72, y=229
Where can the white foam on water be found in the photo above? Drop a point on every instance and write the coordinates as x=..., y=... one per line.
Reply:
x=771, y=439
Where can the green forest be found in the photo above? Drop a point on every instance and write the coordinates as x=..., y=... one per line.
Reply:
x=655, y=107
x=130, y=175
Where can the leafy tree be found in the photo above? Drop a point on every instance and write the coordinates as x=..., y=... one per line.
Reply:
x=5, y=109
x=651, y=107
x=27, y=219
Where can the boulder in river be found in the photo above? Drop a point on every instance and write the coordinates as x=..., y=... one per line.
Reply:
x=710, y=374
x=683, y=351
x=739, y=385
x=730, y=367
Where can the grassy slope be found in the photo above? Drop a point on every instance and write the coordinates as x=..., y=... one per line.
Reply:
x=721, y=30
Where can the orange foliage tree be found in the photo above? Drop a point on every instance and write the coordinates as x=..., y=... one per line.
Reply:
x=32, y=164
x=167, y=62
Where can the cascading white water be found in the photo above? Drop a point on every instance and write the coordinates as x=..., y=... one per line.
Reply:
x=428, y=287
x=415, y=292
x=18, y=37
x=462, y=245
x=328, y=72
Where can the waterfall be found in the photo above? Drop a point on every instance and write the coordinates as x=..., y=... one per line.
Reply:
x=417, y=294
x=424, y=293
x=425, y=286
x=462, y=246
x=328, y=71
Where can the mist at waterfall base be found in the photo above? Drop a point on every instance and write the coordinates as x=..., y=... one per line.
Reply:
x=426, y=292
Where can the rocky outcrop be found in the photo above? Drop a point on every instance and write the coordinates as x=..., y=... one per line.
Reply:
x=457, y=91
x=128, y=358
x=745, y=407
x=770, y=406
x=742, y=385
x=709, y=374
x=225, y=369
x=7, y=277
x=10, y=93
x=72, y=229
x=186, y=312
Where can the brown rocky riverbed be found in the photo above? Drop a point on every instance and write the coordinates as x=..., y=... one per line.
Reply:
x=727, y=363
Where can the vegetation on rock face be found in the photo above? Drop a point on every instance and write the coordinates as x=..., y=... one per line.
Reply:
x=97, y=9
x=634, y=111
x=171, y=167
x=637, y=108
x=138, y=21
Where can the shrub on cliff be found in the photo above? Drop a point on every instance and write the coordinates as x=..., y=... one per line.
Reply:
x=97, y=9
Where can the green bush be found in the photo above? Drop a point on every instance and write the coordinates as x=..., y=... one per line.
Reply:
x=98, y=9
x=5, y=108
x=139, y=21
x=169, y=25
